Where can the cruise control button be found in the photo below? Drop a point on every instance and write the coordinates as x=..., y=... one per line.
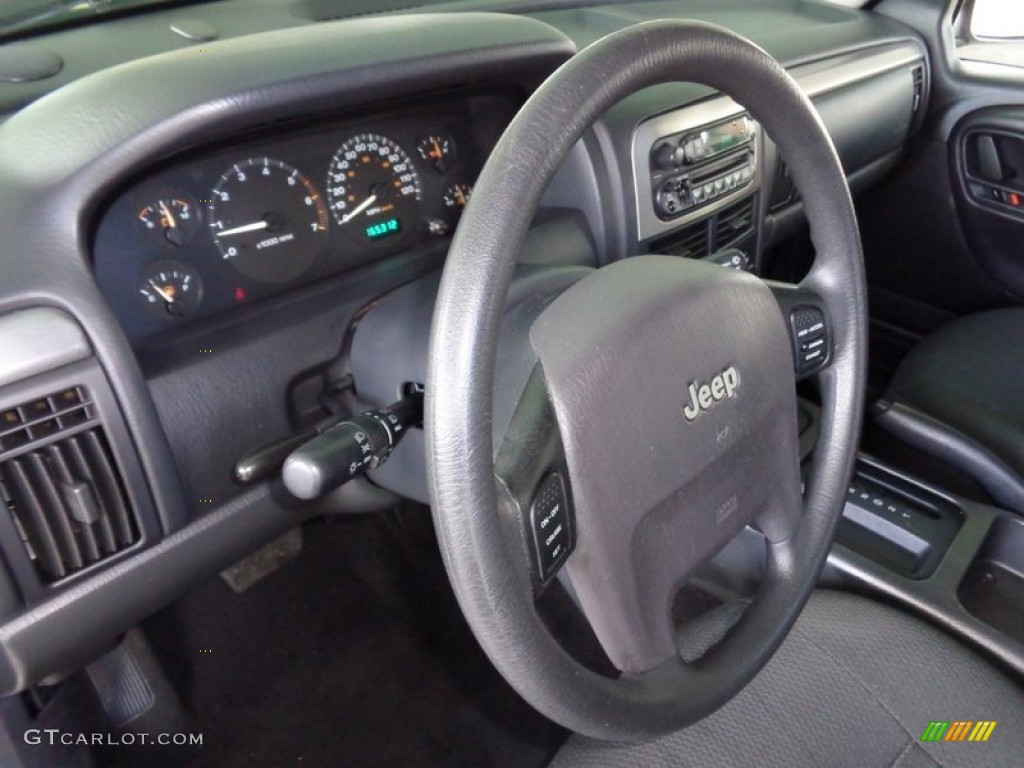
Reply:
x=810, y=339
x=551, y=524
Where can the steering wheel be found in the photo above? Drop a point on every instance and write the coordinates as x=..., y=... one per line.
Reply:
x=660, y=420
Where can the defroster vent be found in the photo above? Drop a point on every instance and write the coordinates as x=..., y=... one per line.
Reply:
x=61, y=486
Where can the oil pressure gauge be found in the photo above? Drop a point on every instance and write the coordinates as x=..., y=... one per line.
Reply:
x=170, y=288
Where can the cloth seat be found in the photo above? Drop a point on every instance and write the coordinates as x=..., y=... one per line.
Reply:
x=959, y=396
x=854, y=685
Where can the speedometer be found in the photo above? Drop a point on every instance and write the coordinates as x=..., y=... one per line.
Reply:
x=373, y=190
x=267, y=220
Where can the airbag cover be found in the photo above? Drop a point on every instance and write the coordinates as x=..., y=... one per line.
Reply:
x=672, y=385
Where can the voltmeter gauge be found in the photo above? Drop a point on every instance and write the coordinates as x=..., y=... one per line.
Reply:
x=170, y=288
x=170, y=220
x=456, y=197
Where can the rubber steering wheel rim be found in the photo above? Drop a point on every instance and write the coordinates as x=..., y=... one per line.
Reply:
x=490, y=583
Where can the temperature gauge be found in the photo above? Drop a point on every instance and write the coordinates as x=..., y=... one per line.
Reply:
x=170, y=288
x=170, y=220
x=438, y=151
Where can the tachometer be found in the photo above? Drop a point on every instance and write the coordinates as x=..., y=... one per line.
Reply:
x=372, y=188
x=267, y=220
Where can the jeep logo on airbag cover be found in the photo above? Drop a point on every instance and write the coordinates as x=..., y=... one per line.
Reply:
x=703, y=397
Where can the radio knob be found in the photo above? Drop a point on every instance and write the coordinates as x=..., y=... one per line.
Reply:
x=667, y=200
x=668, y=156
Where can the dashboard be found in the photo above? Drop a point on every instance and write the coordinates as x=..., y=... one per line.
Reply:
x=282, y=207
x=259, y=220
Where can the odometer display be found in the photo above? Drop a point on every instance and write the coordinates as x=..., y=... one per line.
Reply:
x=373, y=189
x=267, y=220
x=383, y=229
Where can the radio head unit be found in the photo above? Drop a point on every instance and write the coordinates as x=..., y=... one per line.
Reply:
x=692, y=162
x=690, y=169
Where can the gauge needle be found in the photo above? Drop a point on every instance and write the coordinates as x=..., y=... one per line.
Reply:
x=164, y=293
x=168, y=215
x=261, y=224
x=359, y=209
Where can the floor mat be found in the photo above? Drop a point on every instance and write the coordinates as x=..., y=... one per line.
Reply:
x=355, y=654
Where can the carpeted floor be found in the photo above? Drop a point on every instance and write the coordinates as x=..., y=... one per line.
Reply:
x=355, y=654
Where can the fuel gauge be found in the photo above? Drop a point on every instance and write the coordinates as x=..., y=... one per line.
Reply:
x=170, y=220
x=170, y=288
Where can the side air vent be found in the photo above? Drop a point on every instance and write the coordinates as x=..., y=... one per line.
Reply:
x=734, y=223
x=783, y=189
x=917, y=78
x=61, y=486
x=691, y=242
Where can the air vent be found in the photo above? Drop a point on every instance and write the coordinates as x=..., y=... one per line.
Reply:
x=61, y=486
x=734, y=223
x=917, y=77
x=691, y=242
x=783, y=190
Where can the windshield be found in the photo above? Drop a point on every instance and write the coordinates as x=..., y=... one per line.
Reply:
x=19, y=17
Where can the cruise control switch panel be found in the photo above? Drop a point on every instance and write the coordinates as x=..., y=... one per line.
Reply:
x=551, y=524
x=811, y=343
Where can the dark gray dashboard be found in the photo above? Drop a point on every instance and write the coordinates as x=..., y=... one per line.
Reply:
x=182, y=401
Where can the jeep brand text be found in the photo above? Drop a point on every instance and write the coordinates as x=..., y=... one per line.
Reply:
x=704, y=396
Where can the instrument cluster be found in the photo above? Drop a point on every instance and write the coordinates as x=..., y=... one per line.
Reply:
x=237, y=224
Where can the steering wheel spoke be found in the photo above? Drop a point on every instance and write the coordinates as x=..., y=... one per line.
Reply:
x=780, y=516
x=533, y=482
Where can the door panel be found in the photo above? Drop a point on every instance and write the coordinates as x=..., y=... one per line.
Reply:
x=944, y=236
x=987, y=155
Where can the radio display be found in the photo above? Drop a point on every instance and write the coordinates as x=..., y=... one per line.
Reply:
x=725, y=136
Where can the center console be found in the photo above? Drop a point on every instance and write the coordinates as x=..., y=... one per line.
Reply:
x=956, y=562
